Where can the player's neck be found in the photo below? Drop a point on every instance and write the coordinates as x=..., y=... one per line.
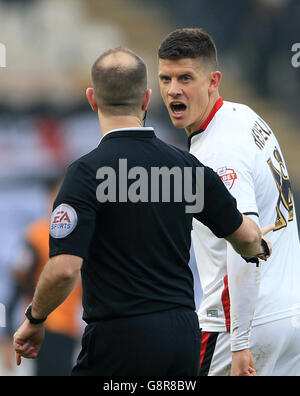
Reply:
x=210, y=105
x=117, y=122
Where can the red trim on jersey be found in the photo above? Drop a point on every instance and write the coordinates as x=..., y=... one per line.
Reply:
x=217, y=106
x=226, y=302
x=205, y=336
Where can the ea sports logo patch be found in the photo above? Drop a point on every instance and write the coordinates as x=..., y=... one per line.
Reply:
x=228, y=176
x=63, y=221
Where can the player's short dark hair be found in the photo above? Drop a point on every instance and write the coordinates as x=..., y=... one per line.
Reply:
x=119, y=89
x=189, y=43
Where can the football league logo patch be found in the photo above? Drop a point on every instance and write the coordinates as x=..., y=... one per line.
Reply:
x=63, y=221
x=228, y=176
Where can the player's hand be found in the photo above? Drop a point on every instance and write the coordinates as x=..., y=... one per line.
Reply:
x=264, y=231
x=242, y=364
x=28, y=340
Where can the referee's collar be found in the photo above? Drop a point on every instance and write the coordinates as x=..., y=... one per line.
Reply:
x=129, y=132
x=192, y=135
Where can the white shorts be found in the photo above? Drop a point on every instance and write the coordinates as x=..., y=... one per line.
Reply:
x=275, y=347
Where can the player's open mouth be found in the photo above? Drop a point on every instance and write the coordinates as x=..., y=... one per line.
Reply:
x=177, y=108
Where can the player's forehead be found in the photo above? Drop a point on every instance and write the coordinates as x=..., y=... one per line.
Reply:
x=170, y=67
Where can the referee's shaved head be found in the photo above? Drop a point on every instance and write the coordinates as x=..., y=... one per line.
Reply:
x=119, y=78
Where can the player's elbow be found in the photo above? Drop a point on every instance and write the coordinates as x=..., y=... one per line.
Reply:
x=67, y=274
x=252, y=237
x=66, y=267
x=246, y=239
x=250, y=245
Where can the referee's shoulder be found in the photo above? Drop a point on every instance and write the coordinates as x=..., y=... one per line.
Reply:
x=86, y=161
x=181, y=154
x=188, y=157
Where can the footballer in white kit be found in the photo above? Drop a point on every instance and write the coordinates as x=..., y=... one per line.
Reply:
x=243, y=150
x=249, y=314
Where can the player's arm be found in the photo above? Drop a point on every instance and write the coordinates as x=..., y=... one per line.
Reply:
x=71, y=231
x=55, y=284
x=247, y=239
x=243, y=286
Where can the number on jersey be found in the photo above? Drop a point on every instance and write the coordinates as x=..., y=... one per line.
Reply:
x=285, y=191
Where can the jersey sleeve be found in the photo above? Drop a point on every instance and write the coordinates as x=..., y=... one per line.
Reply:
x=243, y=282
x=74, y=214
x=220, y=213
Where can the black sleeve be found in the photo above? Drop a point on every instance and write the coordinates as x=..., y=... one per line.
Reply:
x=74, y=213
x=220, y=213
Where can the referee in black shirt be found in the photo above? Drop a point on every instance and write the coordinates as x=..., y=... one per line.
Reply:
x=123, y=218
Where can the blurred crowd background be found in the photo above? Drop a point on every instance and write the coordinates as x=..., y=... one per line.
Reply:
x=46, y=122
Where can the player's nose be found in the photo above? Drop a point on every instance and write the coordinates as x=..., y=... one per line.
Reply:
x=174, y=89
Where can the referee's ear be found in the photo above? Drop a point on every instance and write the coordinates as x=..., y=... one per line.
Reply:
x=146, y=99
x=91, y=99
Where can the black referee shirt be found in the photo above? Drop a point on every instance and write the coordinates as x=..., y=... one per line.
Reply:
x=135, y=254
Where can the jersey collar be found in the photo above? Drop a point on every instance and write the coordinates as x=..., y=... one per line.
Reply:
x=203, y=126
x=129, y=132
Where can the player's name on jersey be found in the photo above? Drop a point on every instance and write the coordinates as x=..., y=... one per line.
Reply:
x=261, y=133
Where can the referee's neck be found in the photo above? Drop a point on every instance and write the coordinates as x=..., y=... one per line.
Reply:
x=117, y=122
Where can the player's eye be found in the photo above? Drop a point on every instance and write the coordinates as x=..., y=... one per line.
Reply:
x=164, y=78
x=186, y=78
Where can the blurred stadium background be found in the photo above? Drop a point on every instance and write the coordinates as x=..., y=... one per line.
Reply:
x=46, y=123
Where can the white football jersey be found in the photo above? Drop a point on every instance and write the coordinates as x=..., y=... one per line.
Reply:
x=243, y=150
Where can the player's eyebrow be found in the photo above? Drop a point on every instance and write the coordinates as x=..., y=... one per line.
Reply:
x=162, y=75
x=185, y=74
x=179, y=77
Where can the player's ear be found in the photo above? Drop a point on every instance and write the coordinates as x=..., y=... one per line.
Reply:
x=90, y=94
x=146, y=99
x=215, y=79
